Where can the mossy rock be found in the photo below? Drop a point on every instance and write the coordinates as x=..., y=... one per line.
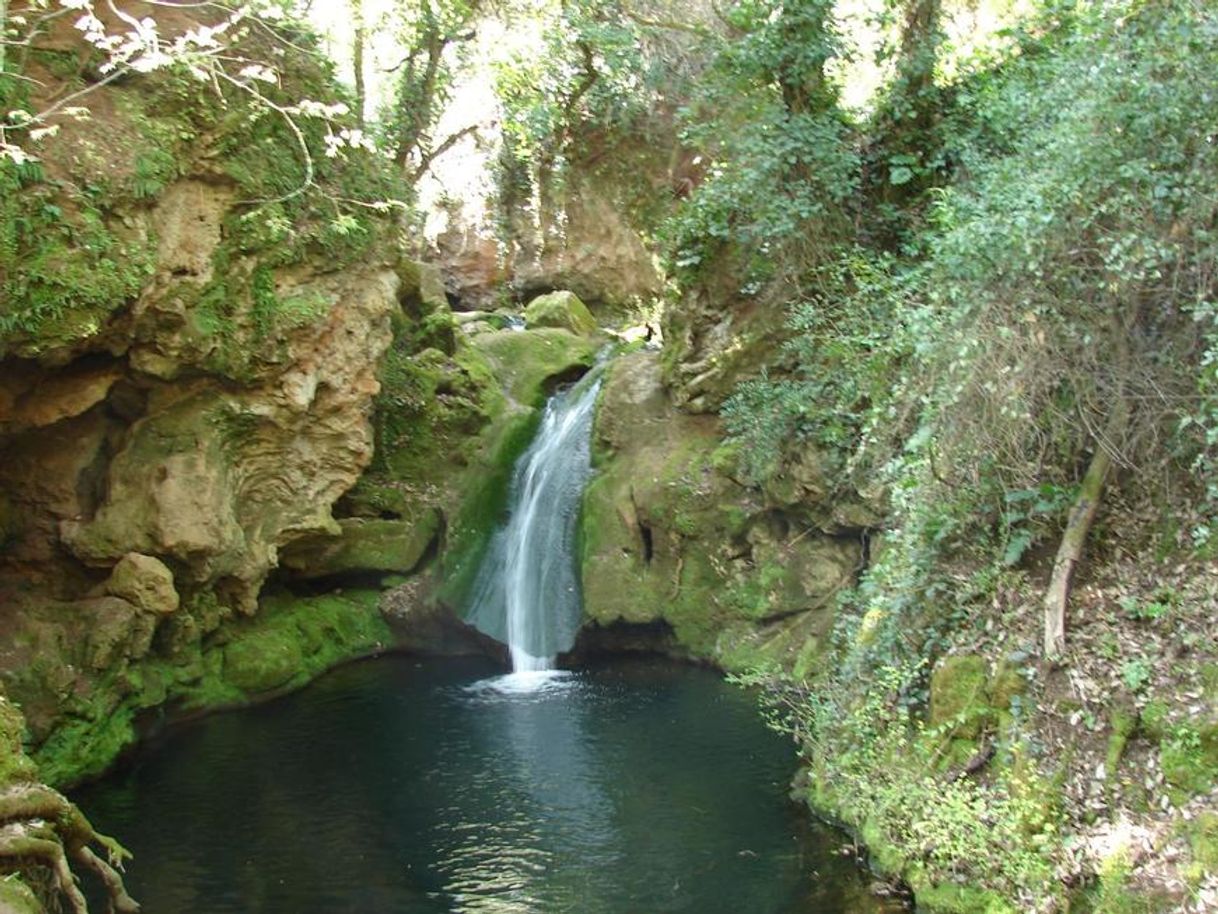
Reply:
x=560, y=309
x=525, y=361
x=17, y=898
x=668, y=536
x=437, y=331
x=1007, y=684
x=302, y=637
x=263, y=661
x=289, y=642
x=483, y=503
x=14, y=764
x=959, y=696
x=364, y=545
x=84, y=747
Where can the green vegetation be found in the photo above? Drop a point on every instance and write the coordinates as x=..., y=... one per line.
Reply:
x=64, y=270
x=77, y=226
x=993, y=280
x=958, y=336
x=291, y=641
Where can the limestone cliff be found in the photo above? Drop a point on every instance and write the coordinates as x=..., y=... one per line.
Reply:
x=740, y=574
x=190, y=339
x=148, y=494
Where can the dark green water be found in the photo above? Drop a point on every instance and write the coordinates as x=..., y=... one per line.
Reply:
x=406, y=787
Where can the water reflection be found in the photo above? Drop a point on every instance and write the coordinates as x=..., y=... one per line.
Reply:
x=404, y=788
x=550, y=804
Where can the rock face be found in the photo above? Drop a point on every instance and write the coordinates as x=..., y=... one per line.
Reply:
x=217, y=479
x=584, y=242
x=669, y=536
x=365, y=545
x=154, y=469
x=715, y=337
x=596, y=254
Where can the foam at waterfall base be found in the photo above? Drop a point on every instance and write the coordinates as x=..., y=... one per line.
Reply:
x=531, y=683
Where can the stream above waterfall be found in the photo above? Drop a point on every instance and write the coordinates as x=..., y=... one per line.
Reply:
x=416, y=787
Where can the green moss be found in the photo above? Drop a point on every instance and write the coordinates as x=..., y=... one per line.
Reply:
x=563, y=310
x=1007, y=683
x=525, y=361
x=85, y=746
x=959, y=696
x=756, y=594
x=1189, y=757
x=1203, y=843
x=483, y=505
x=300, y=637
x=17, y=898
x=958, y=899
x=14, y=764
x=437, y=331
x=1122, y=721
x=429, y=414
x=64, y=267
x=288, y=643
x=366, y=545
x=264, y=661
x=1155, y=721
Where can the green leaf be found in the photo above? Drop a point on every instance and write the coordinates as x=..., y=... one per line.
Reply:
x=1017, y=545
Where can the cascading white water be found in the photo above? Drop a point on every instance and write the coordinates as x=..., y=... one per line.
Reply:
x=527, y=592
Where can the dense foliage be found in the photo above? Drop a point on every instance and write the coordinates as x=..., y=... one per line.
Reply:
x=72, y=253
x=1040, y=305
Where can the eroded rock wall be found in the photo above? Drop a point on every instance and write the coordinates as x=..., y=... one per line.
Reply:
x=147, y=491
x=670, y=534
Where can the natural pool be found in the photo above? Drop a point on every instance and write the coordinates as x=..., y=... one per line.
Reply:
x=401, y=785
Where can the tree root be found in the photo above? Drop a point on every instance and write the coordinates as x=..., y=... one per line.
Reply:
x=41, y=827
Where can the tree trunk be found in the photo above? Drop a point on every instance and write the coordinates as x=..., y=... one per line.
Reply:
x=3, y=31
x=357, y=59
x=1071, y=550
x=1082, y=513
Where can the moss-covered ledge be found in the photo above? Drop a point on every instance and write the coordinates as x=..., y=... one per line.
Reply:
x=291, y=641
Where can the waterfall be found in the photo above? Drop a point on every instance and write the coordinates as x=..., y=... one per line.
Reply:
x=527, y=590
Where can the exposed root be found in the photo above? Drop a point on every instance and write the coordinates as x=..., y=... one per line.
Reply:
x=41, y=827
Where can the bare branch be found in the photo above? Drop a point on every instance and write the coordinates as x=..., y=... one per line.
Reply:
x=433, y=154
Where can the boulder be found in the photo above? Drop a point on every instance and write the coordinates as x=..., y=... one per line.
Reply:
x=115, y=631
x=365, y=546
x=560, y=309
x=145, y=582
x=525, y=361
x=959, y=695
